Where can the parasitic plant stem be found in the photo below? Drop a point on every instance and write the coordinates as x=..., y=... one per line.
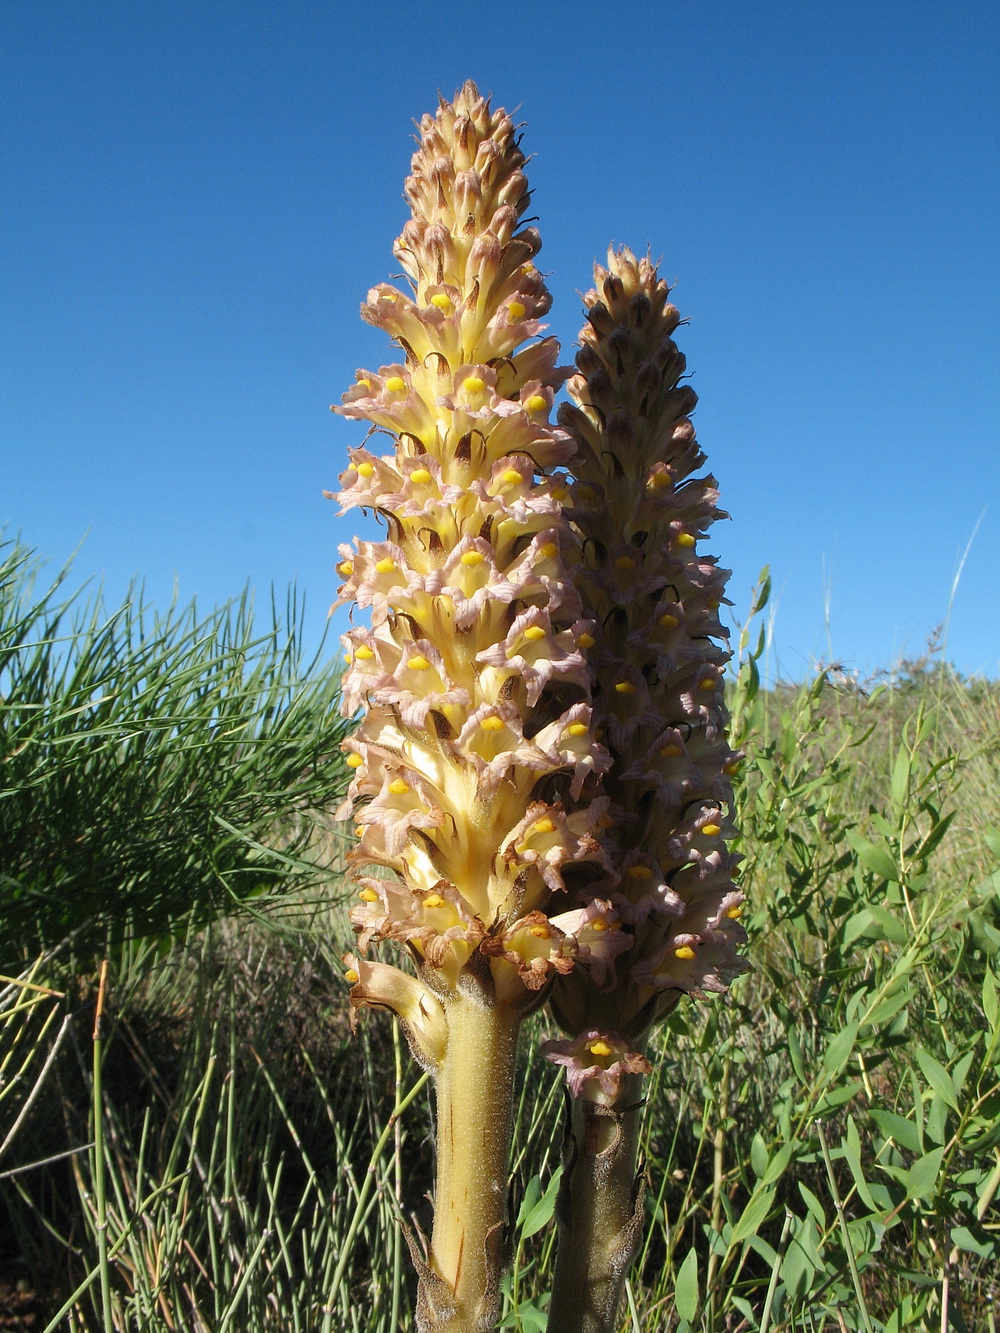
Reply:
x=474, y=1096
x=476, y=767
x=599, y=1211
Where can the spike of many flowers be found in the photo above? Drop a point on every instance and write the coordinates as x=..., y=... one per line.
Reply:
x=476, y=759
x=658, y=659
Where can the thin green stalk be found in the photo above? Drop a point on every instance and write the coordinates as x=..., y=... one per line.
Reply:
x=397, y=1235
x=99, y=1183
x=772, y=1286
x=845, y=1233
x=347, y=1247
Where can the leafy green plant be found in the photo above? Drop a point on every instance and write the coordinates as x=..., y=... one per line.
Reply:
x=153, y=767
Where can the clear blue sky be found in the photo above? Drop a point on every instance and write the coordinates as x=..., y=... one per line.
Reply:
x=200, y=194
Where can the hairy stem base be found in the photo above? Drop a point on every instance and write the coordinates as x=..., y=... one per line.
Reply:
x=599, y=1212
x=460, y=1285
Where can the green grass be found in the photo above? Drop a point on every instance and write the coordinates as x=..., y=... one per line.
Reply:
x=822, y=1151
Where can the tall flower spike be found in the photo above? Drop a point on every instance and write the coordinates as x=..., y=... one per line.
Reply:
x=658, y=657
x=476, y=754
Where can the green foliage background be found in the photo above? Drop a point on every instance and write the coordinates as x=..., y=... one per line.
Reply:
x=822, y=1152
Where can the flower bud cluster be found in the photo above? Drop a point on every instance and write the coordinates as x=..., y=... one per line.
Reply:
x=476, y=762
x=657, y=679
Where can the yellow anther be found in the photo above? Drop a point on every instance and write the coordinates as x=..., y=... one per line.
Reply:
x=549, y=550
x=395, y=384
x=398, y=787
x=711, y=830
x=640, y=872
x=515, y=310
x=354, y=761
x=599, y=924
x=599, y=1047
x=536, y=403
x=668, y=621
x=685, y=951
x=387, y=296
x=346, y=568
x=368, y=896
x=364, y=384
x=533, y=633
x=385, y=566
x=348, y=657
x=352, y=467
x=625, y=562
x=671, y=751
x=540, y=932
x=560, y=494
x=492, y=723
x=363, y=654
x=351, y=976
x=685, y=539
x=732, y=767
x=473, y=558
x=420, y=475
x=713, y=605
x=434, y=900
x=577, y=729
x=473, y=384
x=543, y=825
x=511, y=476
x=585, y=640
x=418, y=662
x=625, y=687
x=365, y=470
x=734, y=913
x=442, y=300
x=658, y=480
x=707, y=684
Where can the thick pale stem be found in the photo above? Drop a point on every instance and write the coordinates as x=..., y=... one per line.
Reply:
x=599, y=1211
x=460, y=1289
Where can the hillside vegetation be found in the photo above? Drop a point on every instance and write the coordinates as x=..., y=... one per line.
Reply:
x=191, y=1137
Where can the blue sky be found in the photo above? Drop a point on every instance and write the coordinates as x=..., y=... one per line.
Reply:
x=199, y=196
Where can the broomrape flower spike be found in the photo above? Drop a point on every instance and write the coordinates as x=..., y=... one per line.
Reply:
x=475, y=767
x=659, y=652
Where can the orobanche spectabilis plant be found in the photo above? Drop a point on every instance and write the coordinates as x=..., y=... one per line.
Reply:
x=473, y=677
x=657, y=698
x=538, y=609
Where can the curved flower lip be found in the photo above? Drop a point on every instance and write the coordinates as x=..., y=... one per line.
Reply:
x=714, y=965
x=596, y=1076
x=439, y=922
x=368, y=586
x=380, y=986
x=600, y=941
x=582, y=753
x=371, y=399
x=643, y=889
x=396, y=813
x=570, y=839
x=535, y=947
x=537, y=660
x=416, y=691
x=390, y=486
x=495, y=753
x=624, y=711
x=537, y=574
